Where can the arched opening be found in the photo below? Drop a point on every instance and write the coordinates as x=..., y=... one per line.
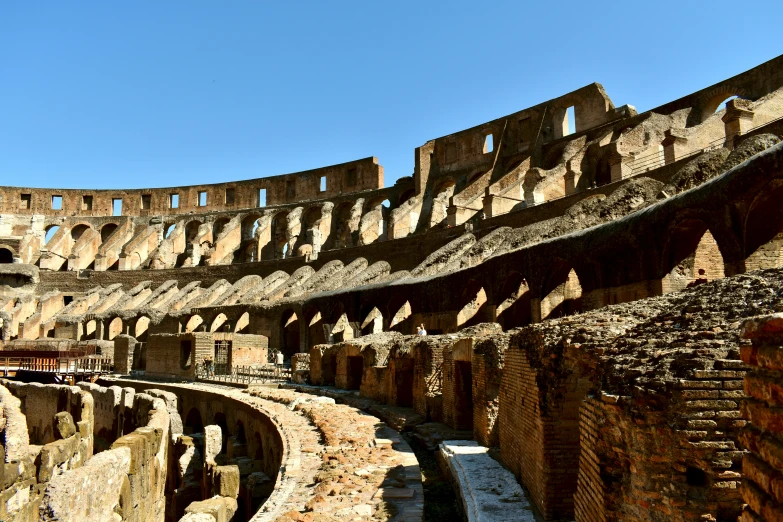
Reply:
x=514, y=311
x=193, y=323
x=6, y=256
x=405, y=196
x=193, y=422
x=340, y=236
x=217, y=227
x=89, y=330
x=280, y=235
x=218, y=322
x=373, y=323
x=373, y=223
x=692, y=257
x=342, y=329
x=219, y=420
x=290, y=333
x=242, y=324
x=440, y=202
x=115, y=328
x=142, y=326
x=402, y=319
x=169, y=230
x=51, y=230
x=764, y=229
x=722, y=105
x=563, y=293
x=191, y=231
x=473, y=302
x=77, y=231
x=107, y=230
x=315, y=327
x=249, y=249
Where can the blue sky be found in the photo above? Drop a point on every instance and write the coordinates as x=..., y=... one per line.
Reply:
x=146, y=94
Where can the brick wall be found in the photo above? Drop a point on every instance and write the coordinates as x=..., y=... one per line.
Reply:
x=762, y=487
x=427, y=376
x=488, y=360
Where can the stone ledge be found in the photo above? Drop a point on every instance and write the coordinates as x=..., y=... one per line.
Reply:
x=489, y=492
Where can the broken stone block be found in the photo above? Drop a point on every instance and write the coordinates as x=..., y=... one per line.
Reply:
x=226, y=481
x=213, y=442
x=220, y=508
x=64, y=425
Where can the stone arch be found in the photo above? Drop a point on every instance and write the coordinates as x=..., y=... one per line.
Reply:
x=193, y=323
x=710, y=101
x=763, y=228
x=218, y=226
x=107, y=230
x=692, y=256
x=515, y=309
x=115, y=328
x=279, y=242
x=242, y=324
x=79, y=229
x=193, y=421
x=191, y=230
x=49, y=232
x=90, y=329
x=473, y=305
x=401, y=317
x=6, y=255
x=441, y=194
x=562, y=291
x=219, y=320
x=315, y=327
x=341, y=235
x=373, y=322
x=289, y=338
x=141, y=328
x=405, y=196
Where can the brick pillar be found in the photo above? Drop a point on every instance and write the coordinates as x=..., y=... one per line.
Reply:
x=620, y=167
x=674, y=145
x=738, y=119
x=762, y=468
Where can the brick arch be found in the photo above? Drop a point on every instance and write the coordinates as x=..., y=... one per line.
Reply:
x=691, y=253
x=562, y=288
x=710, y=100
x=512, y=300
x=763, y=228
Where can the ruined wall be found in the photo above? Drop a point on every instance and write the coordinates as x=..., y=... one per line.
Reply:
x=61, y=479
x=762, y=467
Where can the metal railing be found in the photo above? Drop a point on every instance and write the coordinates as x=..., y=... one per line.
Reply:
x=244, y=374
x=58, y=365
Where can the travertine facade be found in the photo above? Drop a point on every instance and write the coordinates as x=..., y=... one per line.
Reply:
x=582, y=294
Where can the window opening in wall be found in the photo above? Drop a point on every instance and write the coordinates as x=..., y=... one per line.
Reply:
x=385, y=203
x=351, y=178
x=57, y=202
x=285, y=250
x=51, y=231
x=169, y=230
x=116, y=206
x=25, y=201
x=67, y=300
x=222, y=349
x=202, y=198
x=173, y=200
x=146, y=201
x=488, y=143
x=261, y=197
x=185, y=350
x=86, y=202
x=569, y=126
x=322, y=187
x=290, y=189
x=229, y=196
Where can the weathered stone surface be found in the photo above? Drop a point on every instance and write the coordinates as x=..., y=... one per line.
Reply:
x=91, y=492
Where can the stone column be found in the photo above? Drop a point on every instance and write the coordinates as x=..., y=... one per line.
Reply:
x=674, y=145
x=738, y=120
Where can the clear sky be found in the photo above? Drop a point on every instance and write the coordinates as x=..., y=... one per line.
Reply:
x=143, y=94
